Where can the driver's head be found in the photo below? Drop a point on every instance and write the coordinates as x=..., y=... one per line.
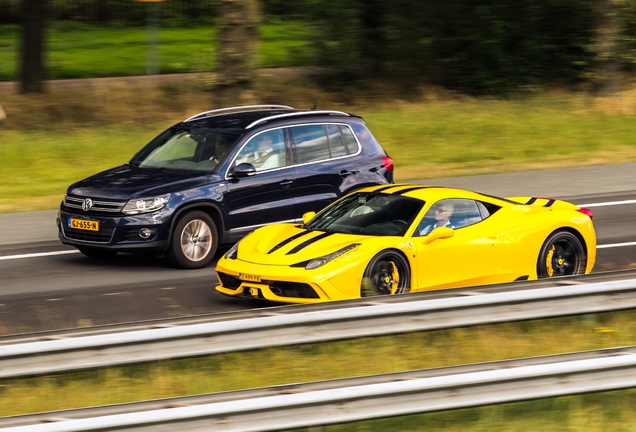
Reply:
x=264, y=142
x=444, y=210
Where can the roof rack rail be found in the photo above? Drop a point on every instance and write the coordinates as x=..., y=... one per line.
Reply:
x=236, y=108
x=294, y=114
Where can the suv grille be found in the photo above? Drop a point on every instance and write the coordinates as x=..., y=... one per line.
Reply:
x=100, y=205
x=103, y=236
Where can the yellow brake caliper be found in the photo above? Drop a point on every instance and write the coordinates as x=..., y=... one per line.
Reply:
x=395, y=278
x=548, y=261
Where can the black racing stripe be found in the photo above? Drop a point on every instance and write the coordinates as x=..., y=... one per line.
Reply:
x=391, y=186
x=403, y=191
x=549, y=203
x=290, y=239
x=308, y=242
x=531, y=201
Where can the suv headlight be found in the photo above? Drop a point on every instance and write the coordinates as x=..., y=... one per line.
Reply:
x=321, y=261
x=145, y=205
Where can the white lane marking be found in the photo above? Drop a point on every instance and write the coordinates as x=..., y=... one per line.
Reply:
x=37, y=255
x=609, y=203
x=615, y=245
x=601, y=204
x=66, y=252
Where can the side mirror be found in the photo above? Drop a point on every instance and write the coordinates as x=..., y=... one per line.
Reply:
x=439, y=233
x=243, y=170
x=308, y=216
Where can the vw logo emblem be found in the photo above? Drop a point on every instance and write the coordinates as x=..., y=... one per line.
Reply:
x=87, y=204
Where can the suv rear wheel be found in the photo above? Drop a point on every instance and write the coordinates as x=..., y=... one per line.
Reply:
x=193, y=241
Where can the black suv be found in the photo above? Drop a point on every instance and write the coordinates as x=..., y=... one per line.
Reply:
x=218, y=175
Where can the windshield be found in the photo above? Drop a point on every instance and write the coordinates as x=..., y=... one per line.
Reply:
x=369, y=213
x=182, y=149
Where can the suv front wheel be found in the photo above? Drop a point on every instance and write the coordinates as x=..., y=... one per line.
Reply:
x=193, y=241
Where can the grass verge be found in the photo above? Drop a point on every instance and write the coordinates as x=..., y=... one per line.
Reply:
x=323, y=361
x=49, y=141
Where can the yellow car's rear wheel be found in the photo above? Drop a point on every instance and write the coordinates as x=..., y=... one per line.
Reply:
x=562, y=254
x=387, y=273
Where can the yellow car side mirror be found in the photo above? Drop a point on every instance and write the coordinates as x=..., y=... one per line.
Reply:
x=308, y=216
x=439, y=233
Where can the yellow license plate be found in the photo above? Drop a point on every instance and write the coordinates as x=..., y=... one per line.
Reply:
x=82, y=224
x=249, y=277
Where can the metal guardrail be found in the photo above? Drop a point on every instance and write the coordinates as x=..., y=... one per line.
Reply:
x=354, y=399
x=369, y=317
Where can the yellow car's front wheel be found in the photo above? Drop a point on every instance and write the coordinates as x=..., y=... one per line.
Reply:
x=562, y=254
x=387, y=273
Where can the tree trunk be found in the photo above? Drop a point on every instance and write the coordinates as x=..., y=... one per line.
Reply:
x=606, y=76
x=237, y=50
x=372, y=49
x=32, y=66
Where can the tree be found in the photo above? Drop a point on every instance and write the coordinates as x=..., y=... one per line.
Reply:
x=237, y=48
x=32, y=64
x=606, y=70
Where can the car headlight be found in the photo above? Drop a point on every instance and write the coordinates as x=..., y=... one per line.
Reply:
x=233, y=252
x=145, y=205
x=321, y=261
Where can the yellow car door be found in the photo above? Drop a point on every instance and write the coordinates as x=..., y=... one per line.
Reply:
x=465, y=252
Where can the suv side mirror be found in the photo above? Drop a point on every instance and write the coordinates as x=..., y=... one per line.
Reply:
x=243, y=170
x=439, y=233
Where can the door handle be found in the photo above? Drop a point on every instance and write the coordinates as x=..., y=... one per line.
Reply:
x=493, y=236
x=346, y=173
x=286, y=183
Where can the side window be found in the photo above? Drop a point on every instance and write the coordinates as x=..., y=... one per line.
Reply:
x=265, y=151
x=350, y=140
x=336, y=143
x=453, y=213
x=466, y=213
x=310, y=142
x=487, y=209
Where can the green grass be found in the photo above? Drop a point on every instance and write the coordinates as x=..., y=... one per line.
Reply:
x=81, y=51
x=358, y=357
x=49, y=141
x=457, y=137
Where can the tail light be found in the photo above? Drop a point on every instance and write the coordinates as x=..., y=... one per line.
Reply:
x=388, y=163
x=586, y=212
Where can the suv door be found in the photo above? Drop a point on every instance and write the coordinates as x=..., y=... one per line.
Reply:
x=266, y=196
x=325, y=167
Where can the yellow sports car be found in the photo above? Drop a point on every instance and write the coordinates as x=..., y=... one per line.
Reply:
x=399, y=238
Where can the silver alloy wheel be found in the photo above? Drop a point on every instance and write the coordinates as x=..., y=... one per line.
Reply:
x=196, y=240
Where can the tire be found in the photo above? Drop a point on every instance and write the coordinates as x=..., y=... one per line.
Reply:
x=387, y=273
x=97, y=253
x=562, y=254
x=193, y=241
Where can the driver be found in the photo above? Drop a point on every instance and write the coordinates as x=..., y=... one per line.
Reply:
x=222, y=146
x=443, y=211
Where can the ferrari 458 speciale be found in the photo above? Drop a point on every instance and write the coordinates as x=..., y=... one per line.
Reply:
x=400, y=238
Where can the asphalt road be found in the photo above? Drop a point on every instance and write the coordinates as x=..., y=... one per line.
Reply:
x=69, y=290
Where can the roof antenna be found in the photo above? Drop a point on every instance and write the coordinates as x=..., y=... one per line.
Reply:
x=313, y=108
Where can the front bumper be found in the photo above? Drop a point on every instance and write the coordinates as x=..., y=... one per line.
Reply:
x=281, y=284
x=116, y=232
